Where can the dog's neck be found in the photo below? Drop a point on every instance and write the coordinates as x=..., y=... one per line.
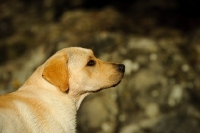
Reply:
x=77, y=98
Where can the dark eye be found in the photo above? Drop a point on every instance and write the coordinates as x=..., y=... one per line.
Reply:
x=91, y=63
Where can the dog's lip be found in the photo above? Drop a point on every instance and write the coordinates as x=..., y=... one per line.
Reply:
x=103, y=88
x=116, y=84
x=94, y=91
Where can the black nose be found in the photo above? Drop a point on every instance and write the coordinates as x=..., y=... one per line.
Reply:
x=121, y=68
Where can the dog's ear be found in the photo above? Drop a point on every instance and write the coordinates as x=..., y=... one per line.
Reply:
x=56, y=71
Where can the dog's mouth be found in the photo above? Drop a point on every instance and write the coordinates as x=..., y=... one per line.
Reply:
x=106, y=87
x=94, y=91
x=116, y=84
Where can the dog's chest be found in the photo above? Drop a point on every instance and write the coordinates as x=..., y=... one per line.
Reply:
x=37, y=114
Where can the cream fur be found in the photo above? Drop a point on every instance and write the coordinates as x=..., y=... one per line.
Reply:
x=47, y=104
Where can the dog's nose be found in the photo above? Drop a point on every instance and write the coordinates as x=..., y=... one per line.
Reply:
x=121, y=67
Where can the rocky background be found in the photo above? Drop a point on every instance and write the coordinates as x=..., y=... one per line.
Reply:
x=157, y=40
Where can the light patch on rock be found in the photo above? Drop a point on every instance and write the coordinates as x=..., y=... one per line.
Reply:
x=176, y=95
x=185, y=67
x=145, y=44
x=152, y=110
x=130, y=66
x=106, y=127
x=153, y=57
x=132, y=128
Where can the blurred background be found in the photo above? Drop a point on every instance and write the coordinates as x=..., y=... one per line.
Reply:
x=157, y=40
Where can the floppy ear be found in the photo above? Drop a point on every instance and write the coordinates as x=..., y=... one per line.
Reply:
x=56, y=71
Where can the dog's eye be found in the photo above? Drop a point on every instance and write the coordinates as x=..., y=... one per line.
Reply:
x=91, y=63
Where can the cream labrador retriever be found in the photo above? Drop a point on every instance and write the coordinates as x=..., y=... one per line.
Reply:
x=49, y=99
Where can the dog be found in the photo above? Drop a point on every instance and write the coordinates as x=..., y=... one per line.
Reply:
x=48, y=101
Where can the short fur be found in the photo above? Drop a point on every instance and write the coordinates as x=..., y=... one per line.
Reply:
x=49, y=99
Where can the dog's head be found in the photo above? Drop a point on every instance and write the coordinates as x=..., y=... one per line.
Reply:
x=77, y=71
